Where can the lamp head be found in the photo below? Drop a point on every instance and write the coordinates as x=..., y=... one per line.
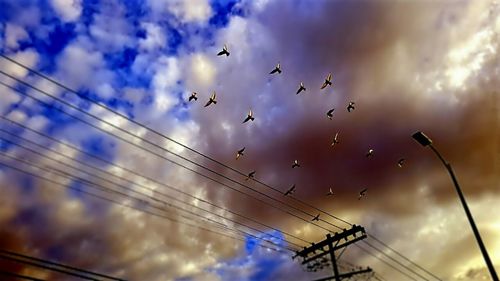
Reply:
x=422, y=139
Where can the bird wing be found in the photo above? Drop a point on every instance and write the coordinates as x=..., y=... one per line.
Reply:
x=323, y=86
x=208, y=103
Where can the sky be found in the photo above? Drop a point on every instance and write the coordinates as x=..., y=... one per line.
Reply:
x=408, y=66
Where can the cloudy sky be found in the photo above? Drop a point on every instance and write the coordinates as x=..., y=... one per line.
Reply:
x=408, y=66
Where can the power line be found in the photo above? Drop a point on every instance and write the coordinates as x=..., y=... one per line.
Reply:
x=20, y=276
x=193, y=150
x=396, y=261
x=163, y=157
x=159, y=155
x=405, y=258
x=131, y=189
x=40, y=74
x=137, y=209
x=23, y=256
x=387, y=263
x=102, y=188
x=138, y=184
x=47, y=267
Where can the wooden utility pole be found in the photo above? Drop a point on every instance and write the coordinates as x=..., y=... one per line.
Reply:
x=329, y=246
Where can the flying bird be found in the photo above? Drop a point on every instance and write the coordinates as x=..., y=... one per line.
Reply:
x=350, y=107
x=277, y=69
x=362, y=193
x=249, y=117
x=224, y=51
x=193, y=97
x=316, y=218
x=212, y=99
x=369, y=154
x=290, y=191
x=295, y=164
x=335, y=139
x=301, y=88
x=330, y=192
x=240, y=153
x=401, y=162
x=328, y=81
x=329, y=114
x=250, y=175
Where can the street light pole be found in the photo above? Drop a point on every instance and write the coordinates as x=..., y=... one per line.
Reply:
x=426, y=141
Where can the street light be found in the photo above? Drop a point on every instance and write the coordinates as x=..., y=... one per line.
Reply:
x=426, y=141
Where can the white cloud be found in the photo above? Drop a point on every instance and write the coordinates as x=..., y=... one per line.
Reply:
x=68, y=10
x=203, y=71
x=155, y=37
x=167, y=73
x=195, y=11
x=13, y=34
x=77, y=66
x=28, y=57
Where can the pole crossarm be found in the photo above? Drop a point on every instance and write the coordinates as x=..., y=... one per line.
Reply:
x=346, y=275
x=349, y=236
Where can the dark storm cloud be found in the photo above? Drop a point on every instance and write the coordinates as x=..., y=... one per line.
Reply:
x=375, y=51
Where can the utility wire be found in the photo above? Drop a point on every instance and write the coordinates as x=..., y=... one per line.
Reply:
x=185, y=146
x=138, y=209
x=40, y=74
x=133, y=190
x=396, y=261
x=47, y=267
x=135, y=183
x=20, y=276
x=162, y=156
x=387, y=263
x=6, y=252
x=159, y=155
x=405, y=258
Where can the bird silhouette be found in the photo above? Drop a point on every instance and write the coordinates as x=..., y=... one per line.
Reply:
x=240, y=153
x=330, y=192
x=277, y=69
x=290, y=191
x=193, y=97
x=350, y=107
x=369, y=154
x=401, y=162
x=335, y=139
x=295, y=164
x=224, y=51
x=329, y=114
x=249, y=117
x=328, y=81
x=301, y=88
x=250, y=175
x=212, y=99
x=316, y=218
x=362, y=193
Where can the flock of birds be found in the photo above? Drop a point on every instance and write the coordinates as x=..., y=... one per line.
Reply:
x=329, y=114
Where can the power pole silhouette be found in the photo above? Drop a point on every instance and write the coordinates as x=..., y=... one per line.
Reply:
x=328, y=247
